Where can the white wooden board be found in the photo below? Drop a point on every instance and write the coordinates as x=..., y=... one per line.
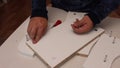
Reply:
x=87, y=49
x=54, y=14
x=61, y=42
x=103, y=53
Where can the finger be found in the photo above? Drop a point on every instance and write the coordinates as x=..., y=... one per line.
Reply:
x=77, y=20
x=30, y=27
x=73, y=26
x=32, y=33
x=38, y=36
x=78, y=23
x=82, y=29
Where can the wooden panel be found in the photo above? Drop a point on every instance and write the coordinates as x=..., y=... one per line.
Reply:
x=104, y=53
x=61, y=42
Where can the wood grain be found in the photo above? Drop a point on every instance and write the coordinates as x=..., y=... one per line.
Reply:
x=12, y=15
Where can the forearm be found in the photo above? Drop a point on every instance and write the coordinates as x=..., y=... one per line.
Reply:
x=39, y=8
x=102, y=10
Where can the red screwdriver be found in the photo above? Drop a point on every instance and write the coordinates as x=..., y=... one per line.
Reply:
x=58, y=22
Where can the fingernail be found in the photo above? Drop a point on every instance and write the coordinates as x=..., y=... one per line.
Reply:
x=34, y=42
x=75, y=26
x=77, y=19
x=71, y=24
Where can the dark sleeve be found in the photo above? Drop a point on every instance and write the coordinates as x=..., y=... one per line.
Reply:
x=39, y=8
x=102, y=9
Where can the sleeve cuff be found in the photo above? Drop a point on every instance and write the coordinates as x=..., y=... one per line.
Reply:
x=39, y=13
x=94, y=18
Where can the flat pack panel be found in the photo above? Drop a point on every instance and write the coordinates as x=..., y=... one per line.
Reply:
x=103, y=54
x=86, y=51
x=61, y=42
x=54, y=14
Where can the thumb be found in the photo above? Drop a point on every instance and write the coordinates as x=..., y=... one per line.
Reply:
x=78, y=23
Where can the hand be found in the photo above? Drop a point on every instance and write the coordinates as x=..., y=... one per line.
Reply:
x=37, y=28
x=82, y=26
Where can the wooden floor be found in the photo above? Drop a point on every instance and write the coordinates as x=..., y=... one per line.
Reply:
x=12, y=15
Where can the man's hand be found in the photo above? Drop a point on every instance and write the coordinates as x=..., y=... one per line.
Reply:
x=37, y=28
x=82, y=26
